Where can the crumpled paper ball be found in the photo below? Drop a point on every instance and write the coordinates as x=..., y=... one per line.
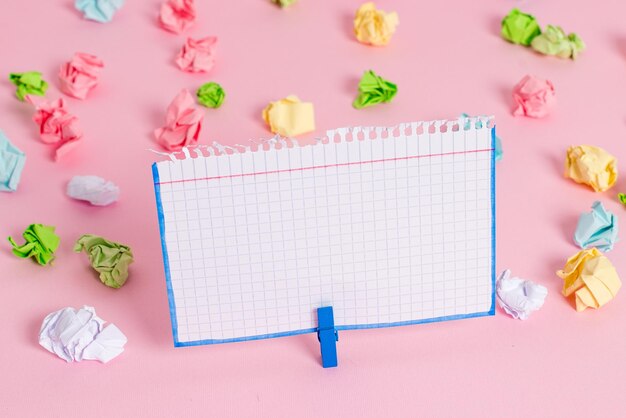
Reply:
x=183, y=123
x=197, y=56
x=41, y=243
x=534, y=97
x=373, y=26
x=80, y=75
x=29, y=83
x=98, y=10
x=177, y=15
x=211, y=95
x=599, y=228
x=591, y=277
x=93, y=189
x=284, y=3
x=373, y=89
x=12, y=162
x=108, y=258
x=76, y=335
x=592, y=166
x=289, y=116
x=519, y=297
x=520, y=28
x=56, y=125
x=553, y=41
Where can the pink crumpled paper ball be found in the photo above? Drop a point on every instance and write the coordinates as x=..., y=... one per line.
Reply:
x=80, y=75
x=534, y=97
x=182, y=123
x=177, y=15
x=197, y=56
x=56, y=125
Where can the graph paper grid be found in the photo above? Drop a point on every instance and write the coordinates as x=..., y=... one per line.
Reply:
x=389, y=226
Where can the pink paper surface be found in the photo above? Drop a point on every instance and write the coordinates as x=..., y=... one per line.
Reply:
x=197, y=55
x=80, y=75
x=447, y=58
x=183, y=123
x=177, y=15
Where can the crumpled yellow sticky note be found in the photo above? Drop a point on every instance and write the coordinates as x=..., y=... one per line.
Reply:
x=592, y=166
x=284, y=3
x=289, y=116
x=591, y=277
x=374, y=27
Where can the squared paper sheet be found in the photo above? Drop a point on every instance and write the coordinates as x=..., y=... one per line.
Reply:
x=387, y=230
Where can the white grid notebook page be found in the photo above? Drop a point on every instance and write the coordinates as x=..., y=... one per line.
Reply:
x=388, y=230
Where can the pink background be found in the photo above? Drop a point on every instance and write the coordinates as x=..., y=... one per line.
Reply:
x=446, y=58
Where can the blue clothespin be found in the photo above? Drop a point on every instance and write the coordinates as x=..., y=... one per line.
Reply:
x=327, y=335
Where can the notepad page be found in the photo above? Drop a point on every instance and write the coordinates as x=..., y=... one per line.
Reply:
x=388, y=226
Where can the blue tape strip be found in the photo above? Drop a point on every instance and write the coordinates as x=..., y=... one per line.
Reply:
x=494, y=139
x=166, y=262
x=338, y=328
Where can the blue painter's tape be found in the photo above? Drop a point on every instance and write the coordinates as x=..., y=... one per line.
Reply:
x=166, y=263
x=338, y=328
x=247, y=338
x=494, y=140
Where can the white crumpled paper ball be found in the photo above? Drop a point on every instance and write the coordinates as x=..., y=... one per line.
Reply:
x=519, y=297
x=76, y=335
x=93, y=189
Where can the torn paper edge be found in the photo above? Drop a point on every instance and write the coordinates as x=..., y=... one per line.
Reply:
x=338, y=136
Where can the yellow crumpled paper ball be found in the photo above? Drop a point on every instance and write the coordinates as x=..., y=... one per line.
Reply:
x=289, y=116
x=374, y=27
x=591, y=277
x=592, y=166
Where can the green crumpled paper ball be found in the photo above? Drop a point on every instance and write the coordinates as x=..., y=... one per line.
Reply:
x=41, y=243
x=108, y=258
x=373, y=90
x=28, y=83
x=211, y=95
x=553, y=41
x=520, y=28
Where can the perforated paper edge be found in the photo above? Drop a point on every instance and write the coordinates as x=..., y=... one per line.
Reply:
x=340, y=135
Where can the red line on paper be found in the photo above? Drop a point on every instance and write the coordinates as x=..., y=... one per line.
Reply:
x=326, y=166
